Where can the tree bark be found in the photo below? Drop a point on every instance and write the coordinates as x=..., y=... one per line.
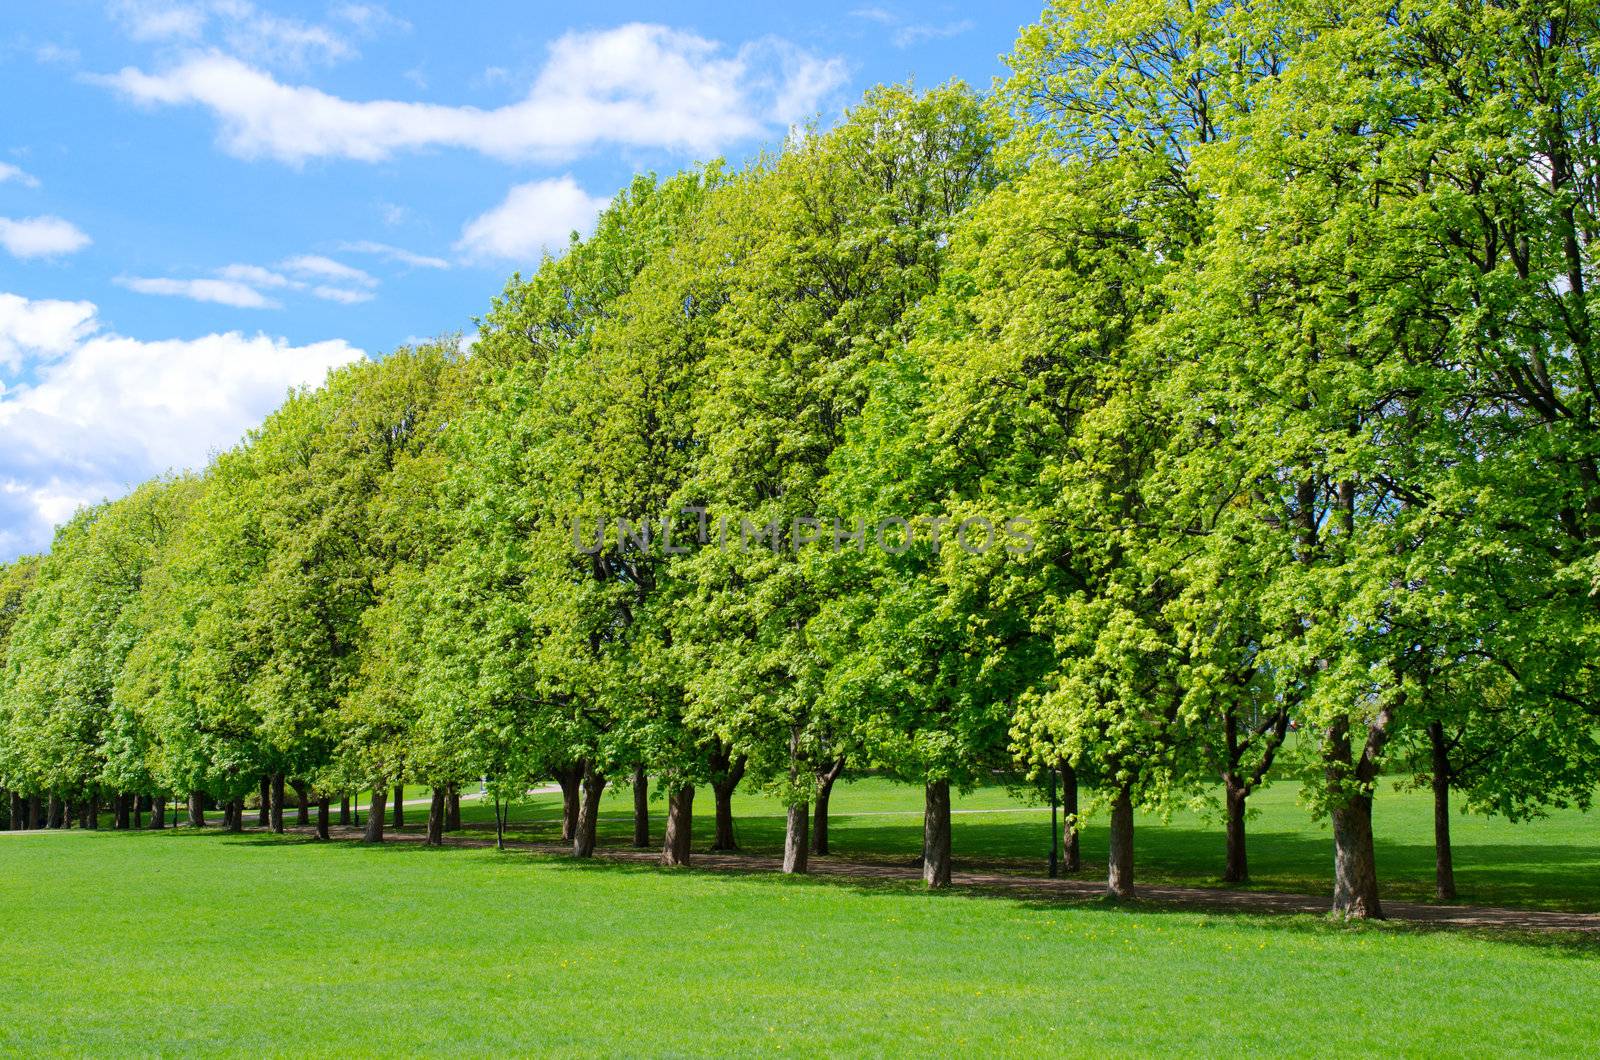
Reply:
x=197, y=809
x=723, y=784
x=1237, y=869
x=344, y=810
x=1355, y=871
x=138, y=812
x=374, y=832
x=324, y=805
x=680, y=827
x=641, y=807
x=452, y=809
x=19, y=811
x=303, y=807
x=399, y=807
x=158, y=813
x=277, y=802
x=435, y=837
x=55, y=812
x=936, y=834
x=35, y=812
x=796, y=840
x=1444, y=871
x=570, y=778
x=585, y=832
x=1119, y=875
x=819, y=825
x=1071, y=854
x=236, y=815
x=264, y=817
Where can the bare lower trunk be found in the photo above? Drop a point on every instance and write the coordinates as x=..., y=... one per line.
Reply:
x=277, y=802
x=236, y=816
x=399, y=807
x=55, y=812
x=1237, y=869
x=1444, y=871
x=436, y=818
x=138, y=812
x=35, y=812
x=302, y=805
x=571, y=779
x=1119, y=875
x=265, y=815
x=121, y=812
x=936, y=834
x=323, y=805
x=19, y=811
x=374, y=832
x=584, y=832
x=680, y=826
x=641, y=807
x=158, y=813
x=344, y=810
x=452, y=809
x=197, y=809
x=722, y=789
x=819, y=819
x=1071, y=854
x=796, y=843
x=1355, y=869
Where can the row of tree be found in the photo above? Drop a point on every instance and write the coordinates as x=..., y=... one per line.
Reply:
x=1270, y=320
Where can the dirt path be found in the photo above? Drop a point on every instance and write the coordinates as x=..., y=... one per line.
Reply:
x=1198, y=898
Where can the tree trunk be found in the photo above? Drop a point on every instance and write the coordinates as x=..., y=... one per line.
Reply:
x=641, y=807
x=1237, y=869
x=158, y=813
x=197, y=809
x=303, y=809
x=19, y=811
x=1071, y=854
x=680, y=826
x=55, y=812
x=722, y=788
x=138, y=811
x=277, y=803
x=435, y=837
x=236, y=815
x=344, y=810
x=374, y=833
x=323, y=806
x=796, y=841
x=35, y=812
x=264, y=817
x=584, y=833
x=936, y=834
x=1355, y=870
x=399, y=807
x=1119, y=875
x=91, y=813
x=1444, y=871
x=819, y=822
x=570, y=778
x=452, y=809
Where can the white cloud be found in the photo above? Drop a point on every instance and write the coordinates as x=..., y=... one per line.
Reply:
x=343, y=295
x=396, y=254
x=10, y=172
x=247, y=31
x=40, y=328
x=111, y=411
x=328, y=269
x=222, y=292
x=909, y=36
x=636, y=85
x=533, y=218
x=255, y=276
x=41, y=237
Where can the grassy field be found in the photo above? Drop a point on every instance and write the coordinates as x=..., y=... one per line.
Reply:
x=182, y=942
x=1552, y=863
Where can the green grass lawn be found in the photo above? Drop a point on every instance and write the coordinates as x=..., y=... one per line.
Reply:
x=1551, y=863
x=178, y=942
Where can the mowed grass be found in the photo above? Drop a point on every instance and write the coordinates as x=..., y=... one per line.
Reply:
x=183, y=942
x=1549, y=863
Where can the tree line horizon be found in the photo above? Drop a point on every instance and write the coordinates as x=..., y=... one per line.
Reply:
x=1271, y=319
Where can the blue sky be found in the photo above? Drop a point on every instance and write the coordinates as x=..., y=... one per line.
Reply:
x=205, y=202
